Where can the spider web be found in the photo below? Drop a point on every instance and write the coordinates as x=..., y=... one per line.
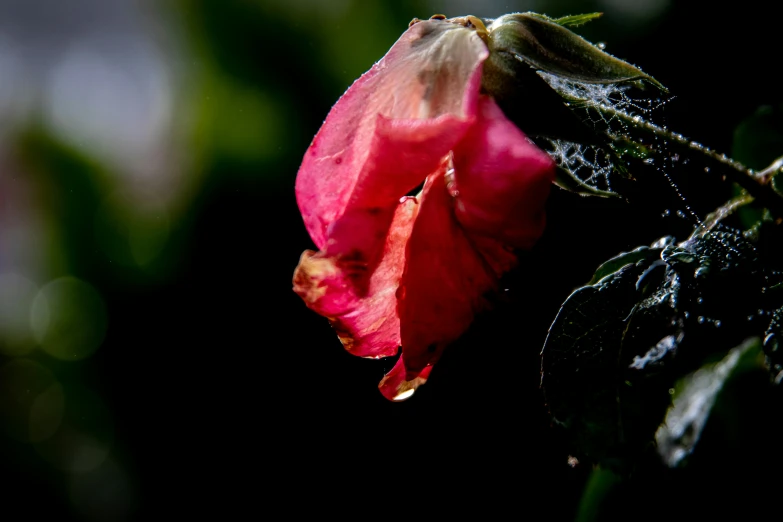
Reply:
x=608, y=108
x=620, y=110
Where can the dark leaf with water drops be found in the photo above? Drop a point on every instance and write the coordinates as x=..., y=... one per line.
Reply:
x=772, y=345
x=580, y=360
x=641, y=254
x=697, y=396
x=648, y=318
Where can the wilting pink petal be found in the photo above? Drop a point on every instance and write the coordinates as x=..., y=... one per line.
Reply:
x=493, y=197
x=364, y=315
x=383, y=137
x=431, y=74
x=394, y=270
x=503, y=180
x=444, y=283
x=394, y=385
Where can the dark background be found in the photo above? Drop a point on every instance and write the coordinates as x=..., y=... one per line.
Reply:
x=215, y=391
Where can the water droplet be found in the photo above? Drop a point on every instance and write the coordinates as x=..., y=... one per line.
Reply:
x=700, y=319
x=404, y=395
x=700, y=300
x=706, y=170
x=601, y=45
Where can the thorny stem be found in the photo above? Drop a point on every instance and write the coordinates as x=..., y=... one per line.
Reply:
x=722, y=212
x=756, y=184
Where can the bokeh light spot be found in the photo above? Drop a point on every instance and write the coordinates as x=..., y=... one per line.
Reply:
x=85, y=437
x=148, y=235
x=104, y=493
x=133, y=230
x=31, y=401
x=46, y=413
x=16, y=298
x=68, y=319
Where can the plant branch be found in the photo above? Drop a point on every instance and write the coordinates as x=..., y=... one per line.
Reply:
x=756, y=184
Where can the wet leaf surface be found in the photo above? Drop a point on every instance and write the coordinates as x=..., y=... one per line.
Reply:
x=697, y=395
x=648, y=318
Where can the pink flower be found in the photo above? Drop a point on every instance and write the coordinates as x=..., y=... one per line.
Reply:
x=394, y=270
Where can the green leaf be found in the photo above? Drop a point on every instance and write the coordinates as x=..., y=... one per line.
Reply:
x=758, y=140
x=600, y=485
x=579, y=362
x=614, y=264
x=651, y=316
x=550, y=47
x=697, y=396
x=565, y=179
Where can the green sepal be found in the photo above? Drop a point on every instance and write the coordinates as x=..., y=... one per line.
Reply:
x=572, y=20
x=530, y=102
x=549, y=46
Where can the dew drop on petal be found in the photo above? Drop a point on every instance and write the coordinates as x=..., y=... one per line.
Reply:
x=403, y=395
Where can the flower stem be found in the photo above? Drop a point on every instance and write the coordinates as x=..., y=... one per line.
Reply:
x=757, y=185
